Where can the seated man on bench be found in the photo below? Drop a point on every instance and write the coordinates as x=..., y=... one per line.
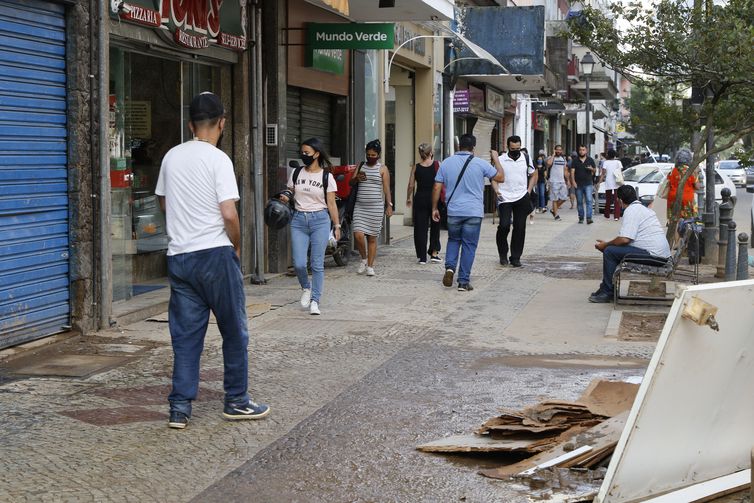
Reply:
x=641, y=237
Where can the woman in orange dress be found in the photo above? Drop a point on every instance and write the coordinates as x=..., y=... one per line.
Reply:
x=689, y=208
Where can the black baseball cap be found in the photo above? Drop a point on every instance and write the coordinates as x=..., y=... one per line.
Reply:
x=205, y=106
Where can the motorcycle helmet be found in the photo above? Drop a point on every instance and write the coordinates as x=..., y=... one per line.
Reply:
x=277, y=214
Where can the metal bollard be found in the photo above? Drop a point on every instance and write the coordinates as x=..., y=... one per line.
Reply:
x=742, y=272
x=726, y=214
x=730, y=256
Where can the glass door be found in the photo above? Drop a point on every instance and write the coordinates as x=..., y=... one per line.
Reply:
x=149, y=100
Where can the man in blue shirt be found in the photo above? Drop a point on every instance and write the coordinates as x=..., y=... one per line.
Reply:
x=463, y=176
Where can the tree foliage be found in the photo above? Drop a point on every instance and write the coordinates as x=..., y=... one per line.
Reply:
x=656, y=119
x=677, y=44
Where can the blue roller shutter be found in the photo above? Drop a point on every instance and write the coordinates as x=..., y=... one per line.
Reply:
x=34, y=282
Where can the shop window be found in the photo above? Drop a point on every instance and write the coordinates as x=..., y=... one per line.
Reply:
x=149, y=99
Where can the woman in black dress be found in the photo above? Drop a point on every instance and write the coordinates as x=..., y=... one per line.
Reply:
x=423, y=179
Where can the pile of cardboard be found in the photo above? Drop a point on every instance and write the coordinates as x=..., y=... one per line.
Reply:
x=556, y=433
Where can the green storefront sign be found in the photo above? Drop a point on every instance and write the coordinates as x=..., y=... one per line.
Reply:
x=350, y=35
x=326, y=60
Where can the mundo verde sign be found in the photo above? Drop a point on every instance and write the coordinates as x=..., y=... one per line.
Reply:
x=350, y=35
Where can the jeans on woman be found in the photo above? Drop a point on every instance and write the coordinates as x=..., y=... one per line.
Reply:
x=310, y=230
x=541, y=193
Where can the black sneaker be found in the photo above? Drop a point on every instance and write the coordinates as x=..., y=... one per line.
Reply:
x=515, y=263
x=249, y=410
x=557, y=217
x=589, y=221
x=447, y=279
x=503, y=261
x=465, y=287
x=435, y=259
x=178, y=420
x=581, y=220
x=601, y=298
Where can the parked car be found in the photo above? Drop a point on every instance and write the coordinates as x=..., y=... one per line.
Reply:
x=631, y=176
x=749, y=176
x=648, y=185
x=735, y=171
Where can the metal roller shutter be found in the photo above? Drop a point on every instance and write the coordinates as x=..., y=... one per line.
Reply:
x=34, y=282
x=309, y=115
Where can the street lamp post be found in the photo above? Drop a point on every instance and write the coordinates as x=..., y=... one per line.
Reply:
x=587, y=67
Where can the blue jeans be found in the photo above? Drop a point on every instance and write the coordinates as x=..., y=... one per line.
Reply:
x=463, y=237
x=584, y=197
x=541, y=194
x=200, y=282
x=310, y=229
x=611, y=257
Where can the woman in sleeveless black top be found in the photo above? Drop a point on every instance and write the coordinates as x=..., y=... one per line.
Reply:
x=423, y=179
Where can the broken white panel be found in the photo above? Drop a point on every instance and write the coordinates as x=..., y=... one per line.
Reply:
x=693, y=415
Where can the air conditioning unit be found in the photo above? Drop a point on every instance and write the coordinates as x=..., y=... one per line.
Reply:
x=271, y=135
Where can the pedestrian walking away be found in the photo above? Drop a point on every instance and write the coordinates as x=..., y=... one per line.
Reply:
x=610, y=174
x=422, y=179
x=541, y=182
x=559, y=179
x=571, y=187
x=640, y=236
x=313, y=189
x=583, y=169
x=462, y=175
x=373, y=202
x=514, y=196
x=197, y=189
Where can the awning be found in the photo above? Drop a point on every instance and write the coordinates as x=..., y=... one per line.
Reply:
x=401, y=10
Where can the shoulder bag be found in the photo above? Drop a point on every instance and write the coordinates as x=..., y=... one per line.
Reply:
x=618, y=176
x=460, y=175
x=351, y=202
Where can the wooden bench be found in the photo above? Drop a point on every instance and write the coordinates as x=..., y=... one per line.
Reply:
x=657, y=268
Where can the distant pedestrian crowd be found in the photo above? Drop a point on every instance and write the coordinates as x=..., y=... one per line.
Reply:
x=198, y=191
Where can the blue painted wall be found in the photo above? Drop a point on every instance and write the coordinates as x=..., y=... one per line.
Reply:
x=514, y=35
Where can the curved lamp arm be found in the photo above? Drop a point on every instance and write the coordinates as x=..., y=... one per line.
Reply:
x=395, y=51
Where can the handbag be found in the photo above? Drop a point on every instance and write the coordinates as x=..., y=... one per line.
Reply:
x=664, y=189
x=618, y=175
x=351, y=201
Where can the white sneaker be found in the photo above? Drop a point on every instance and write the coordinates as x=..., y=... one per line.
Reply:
x=306, y=297
x=370, y=271
x=362, y=267
x=314, y=308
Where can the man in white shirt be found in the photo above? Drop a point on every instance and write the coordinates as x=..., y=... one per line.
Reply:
x=198, y=191
x=640, y=236
x=514, y=200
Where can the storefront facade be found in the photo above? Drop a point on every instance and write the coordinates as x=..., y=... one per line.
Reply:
x=160, y=55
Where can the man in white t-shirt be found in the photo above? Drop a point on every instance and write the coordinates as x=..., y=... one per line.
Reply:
x=640, y=237
x=514, y=200
x=198, y=191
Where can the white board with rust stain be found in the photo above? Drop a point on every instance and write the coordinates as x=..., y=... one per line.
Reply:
x=693, y=416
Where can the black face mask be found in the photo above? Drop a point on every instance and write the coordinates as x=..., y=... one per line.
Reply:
x=307, y=159
x=220, y=139
x=514, y=154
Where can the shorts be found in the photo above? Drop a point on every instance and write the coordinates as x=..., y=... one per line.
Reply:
x=558, y=191
x=571, y=191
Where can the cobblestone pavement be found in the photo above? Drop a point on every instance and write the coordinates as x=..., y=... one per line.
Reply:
x=395, y=360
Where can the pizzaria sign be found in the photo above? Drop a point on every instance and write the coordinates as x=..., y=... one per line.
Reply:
x=193, y=24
